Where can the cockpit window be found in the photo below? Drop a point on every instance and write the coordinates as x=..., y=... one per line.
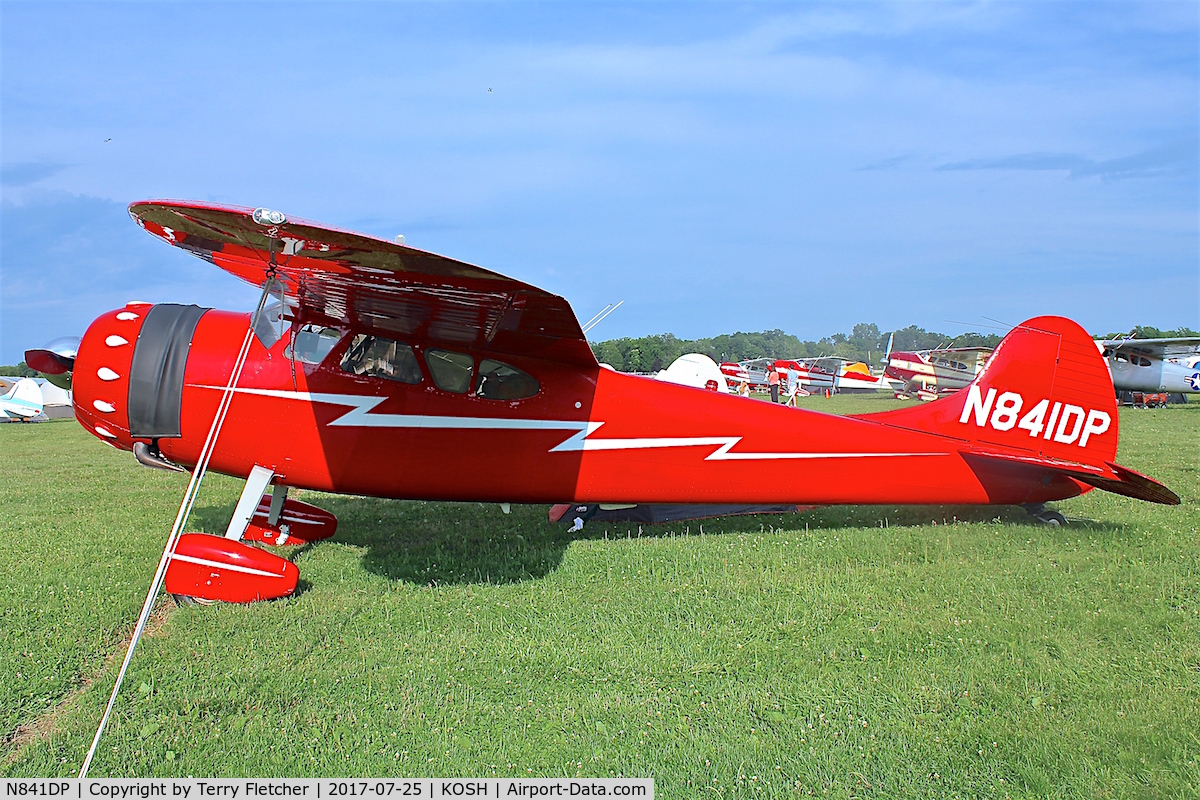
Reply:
x=376, y=357
x=1122, y=358
x=499, y=381
x=313, y=343
x=271, y=325
x=451, y=371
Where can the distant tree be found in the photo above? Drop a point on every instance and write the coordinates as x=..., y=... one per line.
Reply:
x=865, y=332
x=972, y=339
x=1148, y=332
x=914, y=338
x=864, y=337
x=21, y=370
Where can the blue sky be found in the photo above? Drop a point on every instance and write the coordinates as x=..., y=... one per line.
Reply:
x=720, y=167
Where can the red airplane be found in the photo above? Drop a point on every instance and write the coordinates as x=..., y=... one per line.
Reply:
x=393, y=372
x=928, y=373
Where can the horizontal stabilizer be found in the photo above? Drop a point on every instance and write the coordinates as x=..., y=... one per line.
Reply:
x=1110, y=477
x=1134, y=484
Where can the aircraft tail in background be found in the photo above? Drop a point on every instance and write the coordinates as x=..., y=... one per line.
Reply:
x=23, y=401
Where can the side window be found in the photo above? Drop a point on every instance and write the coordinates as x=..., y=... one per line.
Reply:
x=272, y=325
x=499, y=381
x=1143, y=362
x=313, y=343
x=376, y=357
x=1122, y=358
x=451, y=371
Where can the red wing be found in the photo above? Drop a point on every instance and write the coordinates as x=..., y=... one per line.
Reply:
x=374, y=285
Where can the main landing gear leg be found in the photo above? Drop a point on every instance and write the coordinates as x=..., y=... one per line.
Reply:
x=279, y=521
x=1046, y=516
x=256, y=484
x=278, y=498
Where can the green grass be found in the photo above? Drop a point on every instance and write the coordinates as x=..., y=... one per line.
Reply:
x=851, y=651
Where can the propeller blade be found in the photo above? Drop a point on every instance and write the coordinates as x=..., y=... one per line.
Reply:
x=56, y=360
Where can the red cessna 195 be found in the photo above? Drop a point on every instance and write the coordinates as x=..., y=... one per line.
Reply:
x=393, y=372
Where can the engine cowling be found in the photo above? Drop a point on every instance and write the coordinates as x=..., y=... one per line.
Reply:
x=129, y=372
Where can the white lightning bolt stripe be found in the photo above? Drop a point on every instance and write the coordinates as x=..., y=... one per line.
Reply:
x=222, y=565
x=577, y=442
x=292, y=518
x=723, y=444
x=362, y=404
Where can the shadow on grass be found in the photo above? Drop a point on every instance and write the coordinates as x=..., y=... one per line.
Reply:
x=441, y=543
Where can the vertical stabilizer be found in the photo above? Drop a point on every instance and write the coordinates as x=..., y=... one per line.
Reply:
x=1045, y=392
x=24, y=399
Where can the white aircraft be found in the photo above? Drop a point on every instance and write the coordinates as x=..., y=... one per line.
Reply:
x=23, y=401
x=1153, y=365
x=696, y=370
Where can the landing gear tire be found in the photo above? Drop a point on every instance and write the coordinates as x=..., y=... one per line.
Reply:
x=1046, y=516
x=184, y=600
x=1052, y=518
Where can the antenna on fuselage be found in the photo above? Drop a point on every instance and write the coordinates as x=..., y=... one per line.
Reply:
x=587, y=325
x=596, y=320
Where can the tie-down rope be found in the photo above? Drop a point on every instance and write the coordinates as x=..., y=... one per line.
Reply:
x=185, y=509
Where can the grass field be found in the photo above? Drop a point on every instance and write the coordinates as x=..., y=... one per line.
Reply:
x=846, y=652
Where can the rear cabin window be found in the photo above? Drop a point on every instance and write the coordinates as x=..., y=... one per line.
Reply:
x=500, y=381
x=451, y=371
x=376, y=357
x=313, y=343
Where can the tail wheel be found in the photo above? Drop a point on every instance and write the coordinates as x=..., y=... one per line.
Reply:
x=1051, y=517
x=1046, y=516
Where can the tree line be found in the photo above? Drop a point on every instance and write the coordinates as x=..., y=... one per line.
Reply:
x=21, y=370
x=865, y=342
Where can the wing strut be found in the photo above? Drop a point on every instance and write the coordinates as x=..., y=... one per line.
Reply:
x=185, y=509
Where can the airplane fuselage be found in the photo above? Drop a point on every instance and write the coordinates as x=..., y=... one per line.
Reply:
x=931, y=372
x=412, y=419
x=1140, y=373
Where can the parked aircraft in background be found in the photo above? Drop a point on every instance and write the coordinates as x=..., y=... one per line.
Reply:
x=752, y=371
x=851, y=377
x=812, y=378
x=928, y=373
x=56, y=402
x=393, y=372
x=696, y=370
x=23, y=401
x=736, y=373
x=1169, y=365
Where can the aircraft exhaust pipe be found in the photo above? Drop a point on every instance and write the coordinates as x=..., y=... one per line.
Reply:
x=149, y=456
